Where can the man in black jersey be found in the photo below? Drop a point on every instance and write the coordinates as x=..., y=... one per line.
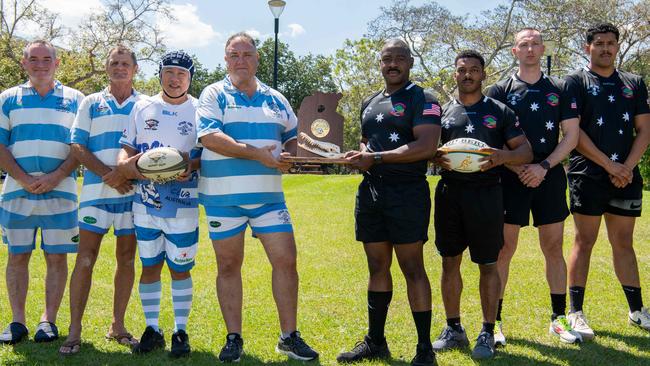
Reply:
x=469, y=206
x=543, y=109
x=604, y=179
x=400, y=129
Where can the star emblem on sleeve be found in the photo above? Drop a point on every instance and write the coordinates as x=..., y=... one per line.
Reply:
x=379, y=117
x=620, y=132
x=393, y=137
x=614, y=157
x=469, y=128
x=549, y=125
x=542, y=140
x=599, y=121
x=534, y=106
x=366, y=112
x=626, y=117
x=610, y=98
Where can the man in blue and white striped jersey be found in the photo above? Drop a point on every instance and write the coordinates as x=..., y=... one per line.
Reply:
x=40, y=189
x=243, y=126
x=107, y=196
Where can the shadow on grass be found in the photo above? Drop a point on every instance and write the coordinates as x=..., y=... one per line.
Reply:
x=588, y=353
x=47, y=354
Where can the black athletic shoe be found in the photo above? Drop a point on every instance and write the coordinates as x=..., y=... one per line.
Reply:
x=295, y=347
x=149, y=341
x=365, y=350
x=233, y=349
x=424, y=355
x=484, y=347
x=180, y=344
x=14, y=333
x=450, y=339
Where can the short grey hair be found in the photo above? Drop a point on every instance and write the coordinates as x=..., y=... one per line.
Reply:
x=247, y=37
x=41, y=42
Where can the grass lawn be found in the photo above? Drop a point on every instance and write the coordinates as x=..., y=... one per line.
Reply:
x=332, y=304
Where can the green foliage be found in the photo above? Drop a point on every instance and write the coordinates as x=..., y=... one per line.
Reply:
x=332, y=305
x=298, y=76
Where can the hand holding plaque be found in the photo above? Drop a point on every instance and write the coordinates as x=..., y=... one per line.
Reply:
x=320, y=131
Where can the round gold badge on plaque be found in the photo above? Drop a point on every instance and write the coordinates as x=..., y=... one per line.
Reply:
x=320, y=128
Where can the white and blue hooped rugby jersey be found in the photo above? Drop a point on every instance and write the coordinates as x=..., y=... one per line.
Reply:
x=99, y=125
x=264, y=119
x=155, y=123
x=36, y=130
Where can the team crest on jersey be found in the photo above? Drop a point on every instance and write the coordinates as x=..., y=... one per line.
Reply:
x=552, y=99
x=151, y=124
x=273, y=106
x=489, y=121
x=593, y=90
x=627, y=92
x=64, y=105
x=185, y=127
x=514, y=98
x=398, y=110
x=101, y=108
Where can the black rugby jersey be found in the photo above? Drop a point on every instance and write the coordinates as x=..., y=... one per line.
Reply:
x=607, y=107
x=540, y=108
x=387, y=123
x=487, y=120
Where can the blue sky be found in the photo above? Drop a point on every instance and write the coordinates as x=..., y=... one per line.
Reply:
x=317, y=26
x=314, y=26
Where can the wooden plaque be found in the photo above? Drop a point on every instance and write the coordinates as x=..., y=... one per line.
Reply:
x=320, y=129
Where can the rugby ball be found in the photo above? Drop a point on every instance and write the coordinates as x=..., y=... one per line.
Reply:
x=464, y=154
x=162, y=164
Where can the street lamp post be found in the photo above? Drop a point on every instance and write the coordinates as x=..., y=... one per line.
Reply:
x=549, y=50
x=276, y=6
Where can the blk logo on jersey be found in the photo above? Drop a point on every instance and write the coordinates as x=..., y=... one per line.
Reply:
x=513, y=98
x=398, y=110
x=185, y=127
x=151, y=124
x=490, y=121
x=552, y=99
x=627, y=92
x=593, y=90
x=169, y=113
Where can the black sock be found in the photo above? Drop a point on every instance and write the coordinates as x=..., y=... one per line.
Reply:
x=454, y=323
x=423, y=325
x=634, y=300
x=576, y=297
x=558, y=304
x=377, y=311
x=499, y=309
x=488, y=327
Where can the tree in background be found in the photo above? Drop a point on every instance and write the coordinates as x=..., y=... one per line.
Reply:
x=127, y=22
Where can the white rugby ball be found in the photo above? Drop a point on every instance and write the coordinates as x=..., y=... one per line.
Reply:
x=162, y=164
x=464, y=154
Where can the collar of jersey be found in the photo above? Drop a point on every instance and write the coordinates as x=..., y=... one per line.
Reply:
x=28, y=85
x=261, y=87
x=515, y=77
x=107, y=94
x=483, y=100
x=587, y=69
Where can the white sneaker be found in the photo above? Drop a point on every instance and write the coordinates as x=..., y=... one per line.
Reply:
x=561, y=328
x=578, y=322
x=499, y=338
x=640, y=319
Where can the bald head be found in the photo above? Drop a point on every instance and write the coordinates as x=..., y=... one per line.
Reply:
x=397, y=45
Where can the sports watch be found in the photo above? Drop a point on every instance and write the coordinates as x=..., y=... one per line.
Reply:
x=377, y=158
x=545, y=164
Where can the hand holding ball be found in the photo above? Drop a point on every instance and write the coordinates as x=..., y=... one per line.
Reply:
x=464, y=154
x=162, y=164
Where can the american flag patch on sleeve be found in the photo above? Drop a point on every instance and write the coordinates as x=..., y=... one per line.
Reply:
x=431, y=109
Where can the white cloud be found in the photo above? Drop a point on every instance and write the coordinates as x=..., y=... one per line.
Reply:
x=254, y=33
x=187, y=30
x=295, y=30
